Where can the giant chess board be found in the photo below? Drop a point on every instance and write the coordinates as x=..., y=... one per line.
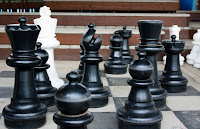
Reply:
x=182, y=111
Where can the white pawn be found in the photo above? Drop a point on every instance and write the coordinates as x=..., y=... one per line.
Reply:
x=195, y=50
x=196, y=37
x=49, y=42
x=174, y=30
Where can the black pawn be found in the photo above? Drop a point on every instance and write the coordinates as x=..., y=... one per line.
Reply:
x=115, y=63
x=73, y=100
x=25, y=110
x=80, y=70
x=91, y=77
x=139, y=111
x=126, y=54
x=150, y=34
x=172, y=79
x=45, y=91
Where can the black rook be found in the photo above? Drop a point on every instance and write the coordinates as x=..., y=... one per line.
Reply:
x=126, y=54
x=91, y=77
x=150, y=34
x=172, y=79
x=25, y=109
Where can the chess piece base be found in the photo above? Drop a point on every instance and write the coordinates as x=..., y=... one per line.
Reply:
x=159, y=97
x=175, y=86
x=73, y=122
x=115, y=69
x=33, y=119
x=127, y=58
x=127, y=121
x=124, y=125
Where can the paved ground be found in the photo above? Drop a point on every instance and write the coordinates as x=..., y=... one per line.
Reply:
x=182, y=111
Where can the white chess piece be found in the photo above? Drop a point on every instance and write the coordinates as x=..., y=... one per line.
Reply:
x=49, y=42
x=196, y=37
x=174, y=30
x=196, y=48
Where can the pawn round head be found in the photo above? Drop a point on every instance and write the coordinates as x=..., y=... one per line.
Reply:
x=141, y=69
x=116, y=40
x=173, y=37
x=41, y=53
x=73, y=77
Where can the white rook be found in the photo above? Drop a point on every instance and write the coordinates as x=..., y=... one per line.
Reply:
x=195, y=52
x=49, y=42
x=174, y=30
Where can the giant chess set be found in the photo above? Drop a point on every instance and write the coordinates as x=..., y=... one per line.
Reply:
x=129, y=92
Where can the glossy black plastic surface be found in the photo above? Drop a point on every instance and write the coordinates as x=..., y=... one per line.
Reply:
x=126, y=54
x=72, y=100
x=115, y=63
x=150, y=32
x=81, y=68
x=172, y=79
x=91, y=77
x=25, y=110
x=139, y=111
x=45, y=91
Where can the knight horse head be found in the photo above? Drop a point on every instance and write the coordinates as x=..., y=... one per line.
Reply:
x=89, y=42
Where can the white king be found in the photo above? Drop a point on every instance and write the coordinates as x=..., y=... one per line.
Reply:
x=49, y=42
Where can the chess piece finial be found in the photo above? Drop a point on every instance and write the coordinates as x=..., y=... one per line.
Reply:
x=25, y=110
x=91, y=77
x=73, y=100
x=172, y=79
x=139, y=110
x=173, y=37
x=45, y=12
x=150, y=31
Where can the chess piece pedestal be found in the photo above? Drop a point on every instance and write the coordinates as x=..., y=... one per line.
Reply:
x=115, y=63
x=126, y=54
x=150, y=34
x=45, y=91
x=139, y=111
x=73, y=100
x=175, y=30
x=25, y=109
x=194, y=54
x=171, y=78
x=91, y=77
x=49, y=42
x=81, y=68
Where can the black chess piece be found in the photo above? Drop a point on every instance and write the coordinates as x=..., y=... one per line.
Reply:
x=172, y=79
x=45, y=91
x=126, y=54
x=139, y=111
x=150, y=34
x=80, y=70
x=91, y=78
x=115, y=63
x=25, y=109
x=73, y=100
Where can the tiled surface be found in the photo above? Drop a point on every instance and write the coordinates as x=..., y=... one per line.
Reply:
x=182, y=110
